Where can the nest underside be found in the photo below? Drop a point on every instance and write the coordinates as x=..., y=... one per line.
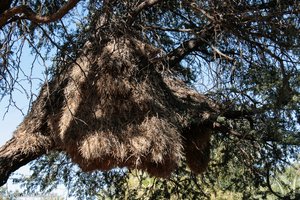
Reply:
x=115, y=109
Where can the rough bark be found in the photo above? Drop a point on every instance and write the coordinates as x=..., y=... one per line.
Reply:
x=15, y=154
x=27, y=13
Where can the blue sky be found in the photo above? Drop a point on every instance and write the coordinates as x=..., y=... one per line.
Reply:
x=10, y=116
x=8, y=125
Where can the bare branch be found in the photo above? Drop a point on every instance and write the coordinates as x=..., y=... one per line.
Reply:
x=200, y=43
x=221, y=53
x=29, y=14
x=175, y=56
x=144, y=5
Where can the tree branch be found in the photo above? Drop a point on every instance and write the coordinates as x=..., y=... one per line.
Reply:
x=144, y=5
x=175, y=56
x=19, y=151
x=29, y=14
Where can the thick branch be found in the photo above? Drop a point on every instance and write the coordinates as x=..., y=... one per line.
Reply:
x=200, y=43
x=20, y=150
x=29, y=14
x=184, y=49
x=28, y=143
x=144, y=5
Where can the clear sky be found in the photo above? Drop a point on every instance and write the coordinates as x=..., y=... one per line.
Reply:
x=11, y=117
x=7, y=125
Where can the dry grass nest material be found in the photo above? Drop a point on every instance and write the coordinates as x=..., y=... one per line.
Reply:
x=114, y=108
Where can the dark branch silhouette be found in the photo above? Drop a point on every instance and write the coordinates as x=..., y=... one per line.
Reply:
x=26, y=12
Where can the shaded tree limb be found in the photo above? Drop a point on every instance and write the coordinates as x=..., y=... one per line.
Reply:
x=19, y=151
x=28, y=13
x=184, y=49
x=144, y=5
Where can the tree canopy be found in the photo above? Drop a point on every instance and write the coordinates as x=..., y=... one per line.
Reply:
x=153, y=85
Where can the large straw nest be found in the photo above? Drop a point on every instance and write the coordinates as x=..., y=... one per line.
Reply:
x=116, y=108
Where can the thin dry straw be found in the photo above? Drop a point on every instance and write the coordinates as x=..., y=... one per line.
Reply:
x=114, y=109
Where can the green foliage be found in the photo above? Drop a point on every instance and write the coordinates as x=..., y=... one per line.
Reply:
x=287, y=182
x=226, y=178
